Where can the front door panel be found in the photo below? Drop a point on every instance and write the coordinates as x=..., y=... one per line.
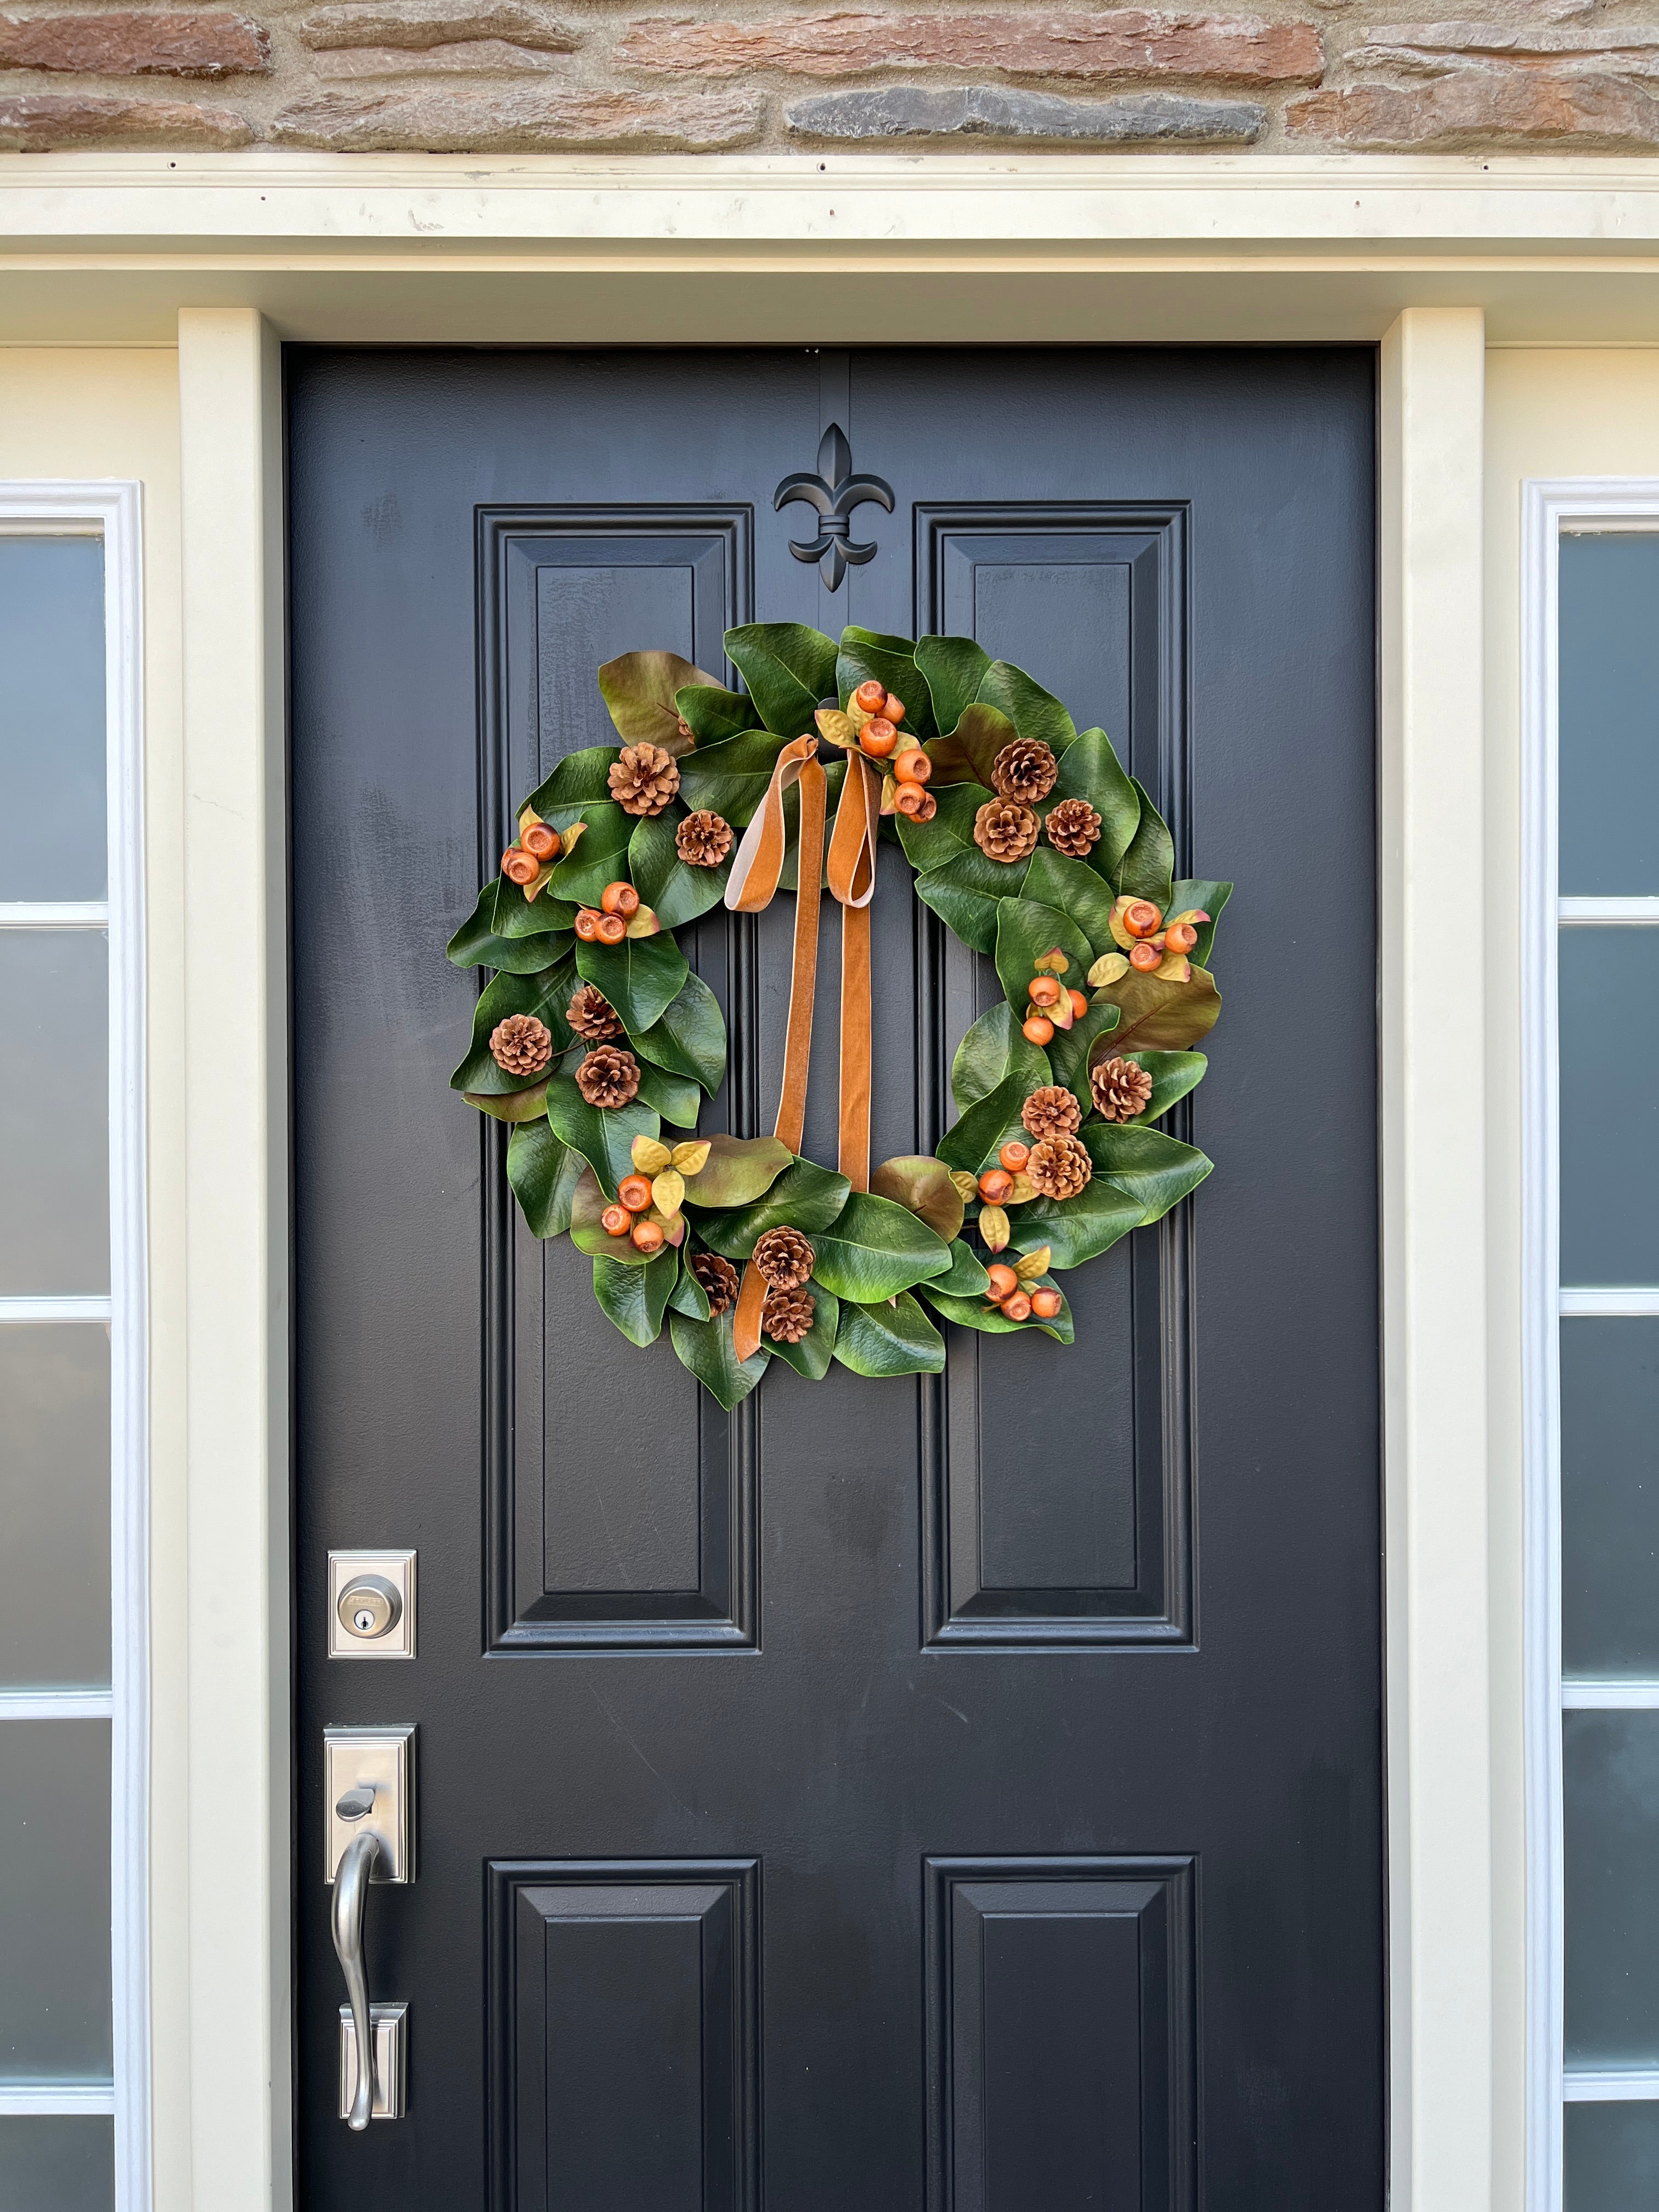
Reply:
x=955, y=1795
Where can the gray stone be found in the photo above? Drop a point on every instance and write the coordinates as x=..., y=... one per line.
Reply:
x=987, y=111
x=517, y=118
x=422, y=23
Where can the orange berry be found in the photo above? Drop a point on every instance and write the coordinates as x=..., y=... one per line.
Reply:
x=1018, y=1308
x=909, y=800
x=1181, y=937
x=616, y=1221
x=1038, y=1030
x=1045, y=1304
x=519, y=866
x=913, y=767
x=611, y=929
x=647, y=1234
x=634, y=1192
x=994, y=1186
x=893, y=706
x=1142, y=918
x=1146, y=957
x=1079, y=1005
x=541, y=840
x=1003, y=1281
x=586, y=924
x=926, y=806
x=1014, y=1155
x=619, y=898
x=878, y=737
x=871, y=696
x=1042, y=991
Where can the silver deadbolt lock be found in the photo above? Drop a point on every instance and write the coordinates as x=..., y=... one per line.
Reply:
x=371, y=1598
x=369, y=1607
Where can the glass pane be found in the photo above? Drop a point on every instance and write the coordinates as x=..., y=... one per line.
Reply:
x=54, y=1900
x=1610, y=1496
x=54, y=1508
x=51, y=719
x=1611, y=2158
x=56, y=2165
x=1609, y=1105
x=1611, y=1790
x=54, y=1112
x=1609, y=715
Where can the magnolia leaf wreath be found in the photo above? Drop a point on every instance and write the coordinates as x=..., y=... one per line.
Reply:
x=596, y=1042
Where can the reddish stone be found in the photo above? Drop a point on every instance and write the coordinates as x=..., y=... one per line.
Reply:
x=519, y=119
x=44, y=122
x=428, y=23
x=133, y=45
x=1482, y=107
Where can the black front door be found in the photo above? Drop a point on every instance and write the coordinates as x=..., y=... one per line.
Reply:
x=936, y=1795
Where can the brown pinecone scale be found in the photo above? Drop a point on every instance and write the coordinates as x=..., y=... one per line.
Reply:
x=1005, y=831
x=785, y=1258
x=1120, y=1089
x=643, y=779
x=1060, y=1167
x=592, y=1015
x=703, y=839
x=788, y=1313
x=521, y=1045
x=719, y=1278
x=1073, y=827
x=608, y=1077
x=1025, y=770
x=1051, y=1112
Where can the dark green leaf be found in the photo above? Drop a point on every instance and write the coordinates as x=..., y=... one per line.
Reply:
x=578, y=778
x=600, y=856
x=639, y=689
x=867, y=653
x=1154, y=1170
x=715, y=713
x=604, y=1135
x=1077, y=1229
x=811, y=1356
x=1026, y=929
x=876, y=1249
x=738, y=1170
x=888, y=1340
x=1148, y=863
x=730, y=778
x=475, y=944
x=953, y=668
x=931, y=844
x=676, y=1097
x=690, y=1038
x=706, y=1348
x=1173, y=1073
x=1034, y=712
x=973, y=1312
x=688, y=1296
x=1089, y=768
x=965, y=893
x=543, y=1172
x=965, y=756
x=974, y=1141
x=789, y=669
x=805, y=1197
x=545, y=994
x=1209, y=898
x=675, y=893
x=517, y=1106
x=1076, y=891
x=635, y=1297
x=967, y=1278
x=516, y=918
x=993, y=1049
x=642, y=977
x=922, y=1184
x=1163, y=1017
x=1070, y=1053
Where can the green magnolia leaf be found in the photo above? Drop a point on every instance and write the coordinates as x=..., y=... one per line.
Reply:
x=604, y=1135
x=1209, y=898
x=706, y=1349
x=867, y=653
x=515, y=918
x=545, y=994
x=966, y=892
x=967, y=1278
x=688, y=1296
x=635, y=1297
x=1089, y=768
x=517, y=1106
x=587, y=1231
x=676, y=1097
x=1160, y=1017
x=1026, y=929
x=642, y=977
x=475, y=943
x=737, y=1171
x=805, y=1197
x=1173, y=1073
x=675, y=893
x=973, y=1143
x=578, y=778
x=953, y=668
x=993, y=1049
x=923, y=1185
x=888, y=1340
x=1076, y=891
x=543, y=1172
x=1034, y=712
x=973, y=1312
x=931, y=844
x=1154, y=1170
x=1073, y=1050
x=789, y=669
x=690, y=1038
x=965, y=756
x=731, y=778
x=1077, y=1229
x=812, y=1355
x=1149, y=864
x=639, y=689
x=715, y=713
x=599, y=859
x=875, y=1250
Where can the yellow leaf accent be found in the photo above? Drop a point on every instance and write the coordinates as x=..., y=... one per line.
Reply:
x=526, y=816
x=1052, y=963
x=1034, y=1264
x=1024, y=1188
x=1108, y=969
x=667, y=1189
x=1174, y=967
x=644, y=923
x=994, y=1227
x=650, y=1155
x=689, y=1158
x=543, y=878
x=889, y=794
x=966, y=1186
x=840, y=729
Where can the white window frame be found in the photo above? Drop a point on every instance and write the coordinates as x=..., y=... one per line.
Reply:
x=112, y=511
x=1554, y=509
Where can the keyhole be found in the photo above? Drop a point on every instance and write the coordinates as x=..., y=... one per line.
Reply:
x=362, y=1620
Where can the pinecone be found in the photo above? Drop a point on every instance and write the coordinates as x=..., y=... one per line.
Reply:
x=1073, y=826
x=1121, y=1089
x=1051, y=1112
x=643, y=779
x=521, y=1045
x=592, y=1015
x=1025, y=770
x=1004, y=830
x=787, y=1314
x=1060, y=1167
x=785, y=1258
x=703, y=839
x=608, y=1077
x=719, y=1278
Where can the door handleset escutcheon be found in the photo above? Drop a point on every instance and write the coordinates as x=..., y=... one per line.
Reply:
x=369, y=1776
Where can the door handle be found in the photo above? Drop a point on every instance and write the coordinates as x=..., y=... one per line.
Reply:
x=351, y=1880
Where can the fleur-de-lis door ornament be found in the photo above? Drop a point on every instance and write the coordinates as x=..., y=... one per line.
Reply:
x=834, y=492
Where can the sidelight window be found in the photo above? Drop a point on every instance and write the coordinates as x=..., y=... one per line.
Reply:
x=73, y=2131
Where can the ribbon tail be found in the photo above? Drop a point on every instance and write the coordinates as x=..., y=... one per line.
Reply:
x=853, y=881
x=803, y=976
x=746, y=1321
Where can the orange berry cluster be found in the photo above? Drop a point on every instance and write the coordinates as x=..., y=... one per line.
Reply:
x=996, y=1185
x=628, y=1217
x=1012, y=1300
x=880, y=733
x=538, y=843
x=1053, y=1004
x=1141, y=922
x=607, y=921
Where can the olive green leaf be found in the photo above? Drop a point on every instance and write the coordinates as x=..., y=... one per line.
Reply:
x=1089, y=768
x=517, y=1106
x=974, y=1142
x=1209, y=898
x=476, y=945
x=579, y=778
x=731, y=778
x=1073, y=1050
x=992, y=1048
x=965, y=892
x=788, y=668
x=545, y=994
x=715, y=713
x=811, y=1356
x=1160, y=1016
x=1026, y=929
x=635, y=1297
x=967, y=1278
x=923, y=1184
x=601, y=858
x=1034, y=712
x=1148, y=863
x=1173, y=1073
x=953, y=668
x=675, y=893
x=543, y=1172
x=1074, y=890
x=737, y=1171
x=805, y=1197
x=931, y=844
x=676, y=1097
x=604, y=1135
x=690, y=1038
x=973, y=1312
x=1080, y=1228
x=879, y=1339
x=1155, y=1170
x=639, y=689
x=688, y=1296
x=890, y=661
x=706, y=1349
x=642, y=977
x=965, y=756
x=875, y=1250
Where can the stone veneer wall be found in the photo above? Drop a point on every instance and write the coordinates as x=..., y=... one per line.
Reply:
x=505, y=76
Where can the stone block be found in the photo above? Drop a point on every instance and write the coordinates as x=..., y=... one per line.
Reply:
x=51, y=122
x=517, y=120
x=470, y=58
x=1482, y=107
x=129, y=43
x=988, y=110
x=422, y=23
